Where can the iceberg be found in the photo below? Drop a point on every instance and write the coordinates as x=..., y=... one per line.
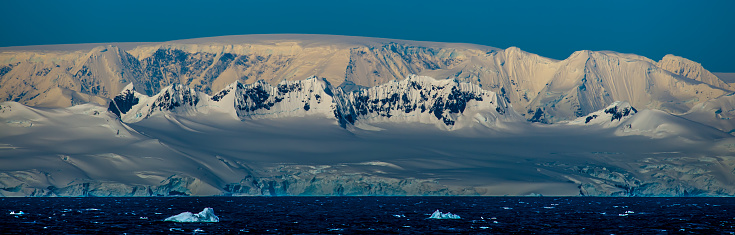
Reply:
x=439, y=215
x=17, y=213
x=207, y=215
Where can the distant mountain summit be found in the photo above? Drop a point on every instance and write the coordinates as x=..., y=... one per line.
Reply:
x=540, y=89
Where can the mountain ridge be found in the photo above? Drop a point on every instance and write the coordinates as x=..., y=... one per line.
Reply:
x=420, y=99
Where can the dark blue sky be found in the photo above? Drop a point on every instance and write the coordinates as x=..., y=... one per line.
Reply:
x=703, y=31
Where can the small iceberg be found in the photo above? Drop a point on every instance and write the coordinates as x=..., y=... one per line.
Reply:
x=439, y=215
x=207, y=215
x=17, y=213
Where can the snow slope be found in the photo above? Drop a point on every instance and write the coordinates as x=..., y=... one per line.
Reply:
x=718, y=113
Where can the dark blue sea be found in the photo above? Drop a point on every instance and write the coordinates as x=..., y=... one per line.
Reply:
x=370, y=215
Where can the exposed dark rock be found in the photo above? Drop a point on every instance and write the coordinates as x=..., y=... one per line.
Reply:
x=589, y=118
x=123, y=102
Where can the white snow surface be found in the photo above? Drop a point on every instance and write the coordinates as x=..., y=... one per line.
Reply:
x=718, y=113
x=206, y=215
x=659, y=124
x=439, y=215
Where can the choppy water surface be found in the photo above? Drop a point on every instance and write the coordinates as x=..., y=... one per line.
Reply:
x=371, y=215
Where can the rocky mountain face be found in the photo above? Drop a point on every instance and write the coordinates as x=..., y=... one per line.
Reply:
x=447, y=103
x=541, y=89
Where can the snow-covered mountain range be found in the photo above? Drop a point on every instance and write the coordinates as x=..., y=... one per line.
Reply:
x=334, y=115
x=541, y=89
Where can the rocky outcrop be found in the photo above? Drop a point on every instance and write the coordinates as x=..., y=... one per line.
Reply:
x=612, y=115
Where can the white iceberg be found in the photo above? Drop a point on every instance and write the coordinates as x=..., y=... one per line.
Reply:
x=439, y=215
x=207, y=215
x=17, y=213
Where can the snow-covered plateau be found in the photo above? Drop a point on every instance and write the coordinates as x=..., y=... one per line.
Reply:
x=332, y=115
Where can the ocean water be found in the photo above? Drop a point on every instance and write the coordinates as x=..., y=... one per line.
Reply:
x=371, y=215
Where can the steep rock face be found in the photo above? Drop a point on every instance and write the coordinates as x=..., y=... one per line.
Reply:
x=425, y=100
x=372, y=66
x=168, y=66
x=246, y=62
x=123, y=102
x=105, y=70
x=287, y=99
x=60, y=79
